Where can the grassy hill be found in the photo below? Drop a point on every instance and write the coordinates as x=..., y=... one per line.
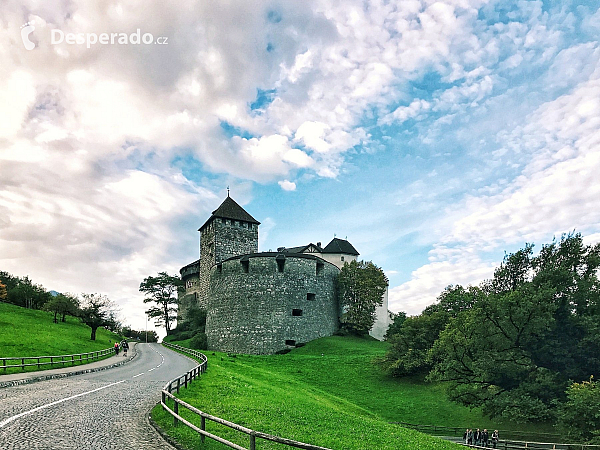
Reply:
x=28, y=332
x=327, y=393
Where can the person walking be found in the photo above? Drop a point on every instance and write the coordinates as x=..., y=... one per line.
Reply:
x=466, y=436
x=116, y=349
x=470, y=437
x=495, y=438
x=125, y=347
x=477, y=437
x=485, y=437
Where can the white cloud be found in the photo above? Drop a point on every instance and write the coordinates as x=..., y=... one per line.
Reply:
x=287, y=185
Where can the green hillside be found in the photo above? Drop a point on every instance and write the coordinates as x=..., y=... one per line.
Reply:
x=28, y=332
x=327, y=393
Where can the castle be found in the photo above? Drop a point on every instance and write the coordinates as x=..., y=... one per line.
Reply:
x=264, y=302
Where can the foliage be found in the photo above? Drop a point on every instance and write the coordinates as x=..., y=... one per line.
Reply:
x=27, y=294
x=96, y=311
x=139, y=335
x=199, y=341
x=328, y=382
x=3, y=292
x=410, y=349
x=579, y=416
x=533, y=328
x=62, y=304
x=394, y=328
x=162, y=290
x=361, y=287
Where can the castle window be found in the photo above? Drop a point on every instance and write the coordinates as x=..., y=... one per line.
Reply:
x=342, y=258
x=280, y=262
x=296, y=312
x=320, y=267
x=290, y=342
x=310, y=296
x=246, y=266
x=220, y=268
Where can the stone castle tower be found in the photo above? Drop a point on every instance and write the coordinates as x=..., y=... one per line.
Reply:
x=229, y=231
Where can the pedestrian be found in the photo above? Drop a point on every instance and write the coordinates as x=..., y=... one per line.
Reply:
x=477, y=437
x=495, y=438
x=466, y=436
x=470, y=437
x=125, y=347
x=485, y=437
x=116, y=349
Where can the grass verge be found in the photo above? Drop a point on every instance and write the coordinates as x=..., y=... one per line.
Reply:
x=28, y=332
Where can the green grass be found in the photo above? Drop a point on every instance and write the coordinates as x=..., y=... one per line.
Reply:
x=27, y=332
x=326, y=393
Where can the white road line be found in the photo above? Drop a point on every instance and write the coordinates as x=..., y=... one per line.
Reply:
x=152, y=369
x=31, y=411
x=138, y=375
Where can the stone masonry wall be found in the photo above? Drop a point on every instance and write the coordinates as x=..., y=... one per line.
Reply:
x=253, y=312
x=219, y=240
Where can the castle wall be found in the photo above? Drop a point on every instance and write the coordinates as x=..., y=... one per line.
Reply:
x=254, y=312
x=219, y=240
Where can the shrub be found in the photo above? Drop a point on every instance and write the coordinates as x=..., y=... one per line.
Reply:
x=199, y=341
x=579, y=416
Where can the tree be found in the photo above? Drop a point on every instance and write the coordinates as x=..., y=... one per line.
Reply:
x=579, y=416
x=162, y=290
x=394, y=328
x=3, y=292
x=62, y=305
x=535, y=326
x=95, y=312
x=28, y=295
x=361, y=287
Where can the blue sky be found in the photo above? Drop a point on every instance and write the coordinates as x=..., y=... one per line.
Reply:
x=435, y=136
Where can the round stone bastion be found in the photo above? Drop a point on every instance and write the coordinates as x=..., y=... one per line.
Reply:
x=261, y=303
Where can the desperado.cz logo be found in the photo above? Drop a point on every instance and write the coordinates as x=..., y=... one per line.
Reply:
x=58, y=36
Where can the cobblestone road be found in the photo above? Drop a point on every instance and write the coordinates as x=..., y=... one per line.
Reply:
x=112, y=416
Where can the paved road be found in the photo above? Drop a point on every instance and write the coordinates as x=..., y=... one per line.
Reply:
x=101, y=410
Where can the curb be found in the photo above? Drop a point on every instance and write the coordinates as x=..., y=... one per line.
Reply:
x=6, y=384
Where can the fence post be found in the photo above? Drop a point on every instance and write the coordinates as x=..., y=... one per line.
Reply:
x=185, y=379
x=252, y=441
x=164, y=397
x=176, y=410
x=22, y=363
x=38, y=362
x=4, y=364
x=202, y=427
x=178, y=384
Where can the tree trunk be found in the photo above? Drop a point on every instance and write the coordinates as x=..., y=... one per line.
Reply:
x=93, y=337
x=55, y=319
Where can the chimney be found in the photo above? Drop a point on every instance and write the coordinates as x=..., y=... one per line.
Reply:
x=318, y=244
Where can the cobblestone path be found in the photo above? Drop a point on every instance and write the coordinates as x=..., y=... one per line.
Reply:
x=101, y=410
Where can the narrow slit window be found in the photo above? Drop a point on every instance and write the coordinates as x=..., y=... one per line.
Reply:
x=310, y=297
x=296, y=312
x=280, y=265
x=320, y=267
x=246, y=266
x=220, y=268
x=290, y=342
x=342, y=258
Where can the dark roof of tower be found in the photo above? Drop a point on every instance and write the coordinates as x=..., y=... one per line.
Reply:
x=300, y=249
x=340, y=246
x=229, y=209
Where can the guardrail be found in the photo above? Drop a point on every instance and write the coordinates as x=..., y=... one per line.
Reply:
x=55, y=359
x=504, y=444
x=176, y=384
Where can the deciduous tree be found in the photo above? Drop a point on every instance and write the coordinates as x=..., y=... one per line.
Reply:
x=361, y=287
x=95, y=312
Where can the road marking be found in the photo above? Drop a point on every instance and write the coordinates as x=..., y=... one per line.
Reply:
x=152, y=369
x=138, y=375
x=31, y=411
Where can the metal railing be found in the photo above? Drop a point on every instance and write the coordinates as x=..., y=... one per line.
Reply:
x=40, y=361
x=176, y=384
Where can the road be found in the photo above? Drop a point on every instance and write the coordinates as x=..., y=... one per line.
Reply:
x=100, y=410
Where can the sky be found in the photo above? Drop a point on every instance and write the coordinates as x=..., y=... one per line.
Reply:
x=435, y=136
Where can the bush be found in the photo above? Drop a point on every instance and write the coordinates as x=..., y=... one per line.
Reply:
x=199, y=341
x=579, y=416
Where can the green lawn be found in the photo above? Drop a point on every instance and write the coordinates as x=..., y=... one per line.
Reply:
x=27, y=332
x=327, y=393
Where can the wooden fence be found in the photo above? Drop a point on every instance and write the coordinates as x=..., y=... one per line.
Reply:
x=176, y=383
x=40, y=361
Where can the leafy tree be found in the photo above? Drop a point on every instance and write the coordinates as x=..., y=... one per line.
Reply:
x=361, y=287
x=579, y=416
x=534, y=327
x=162, y=290
x=96, y=312
x=28, y=295
x=62, y=305
x=3, y=292
x=410, y=347
x=394, y=328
